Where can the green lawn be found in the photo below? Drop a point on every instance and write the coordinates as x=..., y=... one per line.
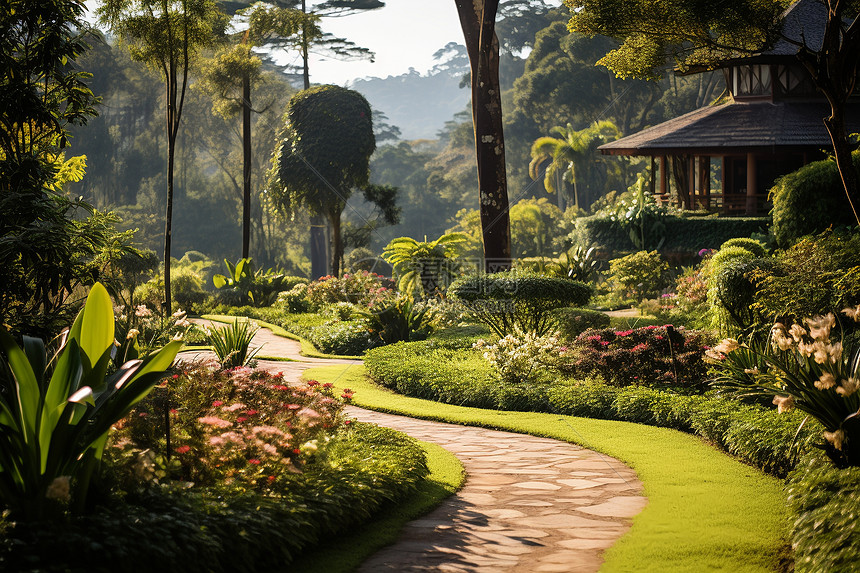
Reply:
x=706, y=511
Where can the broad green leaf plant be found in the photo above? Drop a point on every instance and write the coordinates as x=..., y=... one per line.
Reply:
x=55, y=414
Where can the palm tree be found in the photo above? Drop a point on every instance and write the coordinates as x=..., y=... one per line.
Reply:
x=424, y=268
x=569, y=154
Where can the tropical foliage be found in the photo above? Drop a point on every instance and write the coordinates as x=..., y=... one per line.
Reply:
x=56, y=413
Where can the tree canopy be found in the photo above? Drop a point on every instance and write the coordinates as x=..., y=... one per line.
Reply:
x=324, y=155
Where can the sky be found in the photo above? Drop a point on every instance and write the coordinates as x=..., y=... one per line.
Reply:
x=404, y=34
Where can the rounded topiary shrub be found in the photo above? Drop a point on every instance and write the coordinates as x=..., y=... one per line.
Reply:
x=755, y=247
x=736, y=286
x=505, y=300
x=571, y=322
x=809, y=201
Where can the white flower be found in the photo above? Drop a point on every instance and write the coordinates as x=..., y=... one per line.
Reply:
x=779, y=338
x=852, y=313
x=752, y=371
x=848, y=387
x=826, y=381
x=141, y=311
x=727, y=345
x=797, y=332
x=784, y=403
x=179, y=314
x=836, y=438
x=819, y=326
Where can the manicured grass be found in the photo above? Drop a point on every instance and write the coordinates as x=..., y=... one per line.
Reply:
x=347, y=552
x=308, y=349
x=706, y=511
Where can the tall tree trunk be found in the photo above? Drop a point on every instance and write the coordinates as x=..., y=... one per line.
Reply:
x=246, y=158
x=336, y=244
x=171, y=152
x=478, y=21
x=319, y=252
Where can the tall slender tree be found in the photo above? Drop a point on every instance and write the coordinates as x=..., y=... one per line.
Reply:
x=324, y=155
x=478, y=20
x=166, y=35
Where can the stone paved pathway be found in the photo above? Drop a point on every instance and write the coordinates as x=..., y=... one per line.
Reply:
x=528, y=504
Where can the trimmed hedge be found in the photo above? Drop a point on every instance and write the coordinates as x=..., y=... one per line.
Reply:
x=825, y=506
x=435, y=371
x=687, y=235
x=503, y=301
x=757, y=435
x=176, y=531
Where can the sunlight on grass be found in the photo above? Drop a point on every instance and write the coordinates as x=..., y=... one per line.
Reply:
x=706, y=510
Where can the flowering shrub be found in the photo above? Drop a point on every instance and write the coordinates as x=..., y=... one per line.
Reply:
x=520, y=355
x=802, y=368
x=647, y=356
x=361, y=287
x=139, y=331
x=241, y=428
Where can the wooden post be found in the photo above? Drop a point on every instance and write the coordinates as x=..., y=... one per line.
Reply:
x=751, y=206
x=663, y=179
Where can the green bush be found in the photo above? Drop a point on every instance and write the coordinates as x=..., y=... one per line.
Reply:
x=177, y=530
x=824, y=503
x=752, y=245
x=294, y=300
x=820, y=274
x=639, y=275
x=343, y=337
x=245, y=284
x=503, y=301
x=571, y=322
x=735, y=288
x=809, y=201
x=428, y=370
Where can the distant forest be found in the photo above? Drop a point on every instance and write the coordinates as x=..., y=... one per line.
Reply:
x=556, y=84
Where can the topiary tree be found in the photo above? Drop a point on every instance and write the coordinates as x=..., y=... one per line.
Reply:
x=323, y=156
x=511, y=299
x=809, y=201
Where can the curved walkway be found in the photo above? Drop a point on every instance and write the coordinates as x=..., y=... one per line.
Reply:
x=528, y=504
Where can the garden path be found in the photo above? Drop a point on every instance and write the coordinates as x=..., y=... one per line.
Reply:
x=528, y=504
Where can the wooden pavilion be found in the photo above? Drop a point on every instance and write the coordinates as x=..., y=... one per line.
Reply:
x=771, y=125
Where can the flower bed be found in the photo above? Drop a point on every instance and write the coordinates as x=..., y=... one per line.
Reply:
x=254, y=472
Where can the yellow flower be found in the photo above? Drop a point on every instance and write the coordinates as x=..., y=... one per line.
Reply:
x=753, y=371
x=784, y=403
x=132, y=333
x=826, y=381
x=836, y=438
